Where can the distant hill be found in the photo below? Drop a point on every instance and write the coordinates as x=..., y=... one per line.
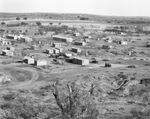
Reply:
x=97, y=18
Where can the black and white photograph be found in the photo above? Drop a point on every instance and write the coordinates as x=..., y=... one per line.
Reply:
x=74, y=59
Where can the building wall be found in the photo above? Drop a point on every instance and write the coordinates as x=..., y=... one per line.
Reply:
x=8, y=53
x=49, y=51
x=81, y=61
x=11, y=48
x=60, y=49
x=80, y=43
x=56, y=51
x=69, y=40
x=77, y=61
x=76, y=50
x=56, y=45
x=85, y=62
x=3, y=52
x=59, y=39
x=29, y=61
x=40, y=63
x=63, y=39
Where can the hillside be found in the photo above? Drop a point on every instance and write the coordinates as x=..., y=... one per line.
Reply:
x=97, y=18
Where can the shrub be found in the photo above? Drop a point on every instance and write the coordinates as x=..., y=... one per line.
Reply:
x=38, y=23
x=17, y=18
x=24, y=23
x=25, y=18
x=3, y=23
x=51, y=23
x=2, y=30
x=84, y=18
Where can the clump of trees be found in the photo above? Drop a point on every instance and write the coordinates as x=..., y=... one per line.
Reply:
x=57, y=29
x=51, y=23
x=3, y=23
x=2, y=30
x=84, y=18
x=24, y=23
x=13, y=25
x=17, y=18
x=38, y=23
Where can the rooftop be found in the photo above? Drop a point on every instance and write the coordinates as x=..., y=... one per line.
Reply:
x=60, y=36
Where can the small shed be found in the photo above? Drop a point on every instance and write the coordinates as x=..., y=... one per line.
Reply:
x=76, y=34
x=40, y=62
x=10, y=36
x=81, y=61
x=80, y=43
x=62, y=38
x=11, y=48
x=76, y=50
x=34, y=47
x=147, y=44
x=106, y=47
x=24, y=38
x=60, y=49
x=87, y=40
x=56, y=45
x=50, y=51
x=123, y=42
x=56, y=51
x=7, y=53
x=67, y=54
x=29, y=60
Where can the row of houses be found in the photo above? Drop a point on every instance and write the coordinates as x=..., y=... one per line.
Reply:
x=19, y=37
x=54, y=50
x=32, y=61
x=110, y=40
x=42, y=62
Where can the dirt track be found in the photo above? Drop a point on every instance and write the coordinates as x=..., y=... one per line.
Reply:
x=18, y=84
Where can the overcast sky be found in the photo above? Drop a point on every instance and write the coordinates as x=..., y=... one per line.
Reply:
x=99, y=7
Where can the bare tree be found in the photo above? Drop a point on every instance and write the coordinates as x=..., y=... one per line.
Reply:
x=77, y=104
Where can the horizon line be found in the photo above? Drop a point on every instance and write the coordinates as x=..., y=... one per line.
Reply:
x=70, y=13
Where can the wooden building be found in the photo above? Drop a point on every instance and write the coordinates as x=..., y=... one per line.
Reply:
x=62, y=38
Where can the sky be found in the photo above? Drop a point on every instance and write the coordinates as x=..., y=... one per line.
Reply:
x=99, y=7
